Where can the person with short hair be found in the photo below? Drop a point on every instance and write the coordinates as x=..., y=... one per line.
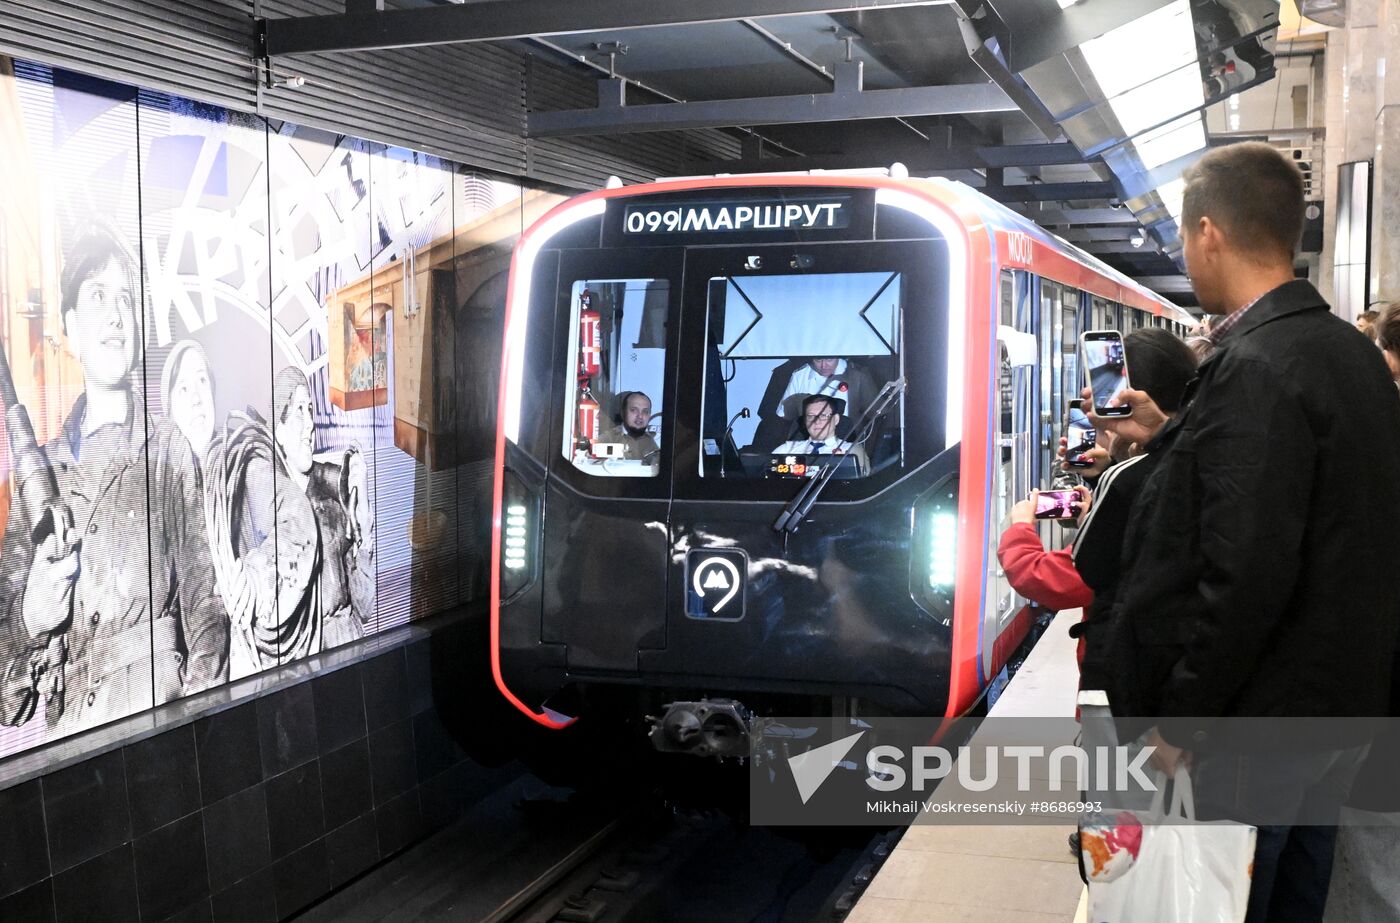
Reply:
x=1258, y=581
x=821, y=415
x=630, y=428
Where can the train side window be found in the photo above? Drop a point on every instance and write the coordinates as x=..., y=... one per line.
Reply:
x=792, y=362
x=1008, y=299
x=617, y=341
x=1098, y=314
x=1069, y=349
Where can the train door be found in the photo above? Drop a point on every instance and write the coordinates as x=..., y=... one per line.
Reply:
x=610, y=472
x=1016, y=348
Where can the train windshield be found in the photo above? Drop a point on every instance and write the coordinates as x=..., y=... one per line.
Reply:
x=792, y=361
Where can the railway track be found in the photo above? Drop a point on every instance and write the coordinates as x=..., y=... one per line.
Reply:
x=529, y=853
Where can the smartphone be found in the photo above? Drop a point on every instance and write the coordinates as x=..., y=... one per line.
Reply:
x=1080, y=436
x=1106, y=369
x=1057, y=504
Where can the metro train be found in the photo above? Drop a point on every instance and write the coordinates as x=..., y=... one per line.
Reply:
x=666, y=545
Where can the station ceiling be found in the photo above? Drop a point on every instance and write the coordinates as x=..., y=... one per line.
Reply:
x=1081, y=115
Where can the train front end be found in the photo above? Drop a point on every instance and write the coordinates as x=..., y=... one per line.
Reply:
x=741, y=469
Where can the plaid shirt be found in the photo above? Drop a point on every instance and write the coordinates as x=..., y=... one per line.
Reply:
x=1221, y=330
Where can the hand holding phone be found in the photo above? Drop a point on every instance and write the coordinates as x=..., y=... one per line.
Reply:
x=1058, y=504
x=1080, y=436
x=1140, y=425
x=1092, y=462
x=1106, y=371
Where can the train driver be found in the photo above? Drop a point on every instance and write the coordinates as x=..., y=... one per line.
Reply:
x=820, y=417
x=630, y=428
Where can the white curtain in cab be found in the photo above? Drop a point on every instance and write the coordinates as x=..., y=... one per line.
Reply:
x=811, y=315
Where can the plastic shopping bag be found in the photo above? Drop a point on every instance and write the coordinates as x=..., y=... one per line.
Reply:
x=1142, y=870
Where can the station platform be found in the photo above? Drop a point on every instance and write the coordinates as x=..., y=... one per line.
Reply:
x=1009, y=873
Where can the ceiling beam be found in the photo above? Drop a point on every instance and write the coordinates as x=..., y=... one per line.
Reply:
x=497, y=20
x=1166, y=283
x=1125, y=246
x=919, y=158
x=1079, y=216
x=1095, y=235
x=994, y=66
x=1050, y=192
x=841, y=105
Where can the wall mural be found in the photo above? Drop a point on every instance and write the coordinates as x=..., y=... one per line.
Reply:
x=249, y=393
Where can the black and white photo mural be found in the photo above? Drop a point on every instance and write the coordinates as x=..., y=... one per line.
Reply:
x=248, y=393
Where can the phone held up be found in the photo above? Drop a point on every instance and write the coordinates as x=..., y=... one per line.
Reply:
x=1106, y=371
x=1080, y=435
x=1057, y=504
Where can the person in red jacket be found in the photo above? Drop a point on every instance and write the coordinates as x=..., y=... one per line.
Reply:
x=1048, y=577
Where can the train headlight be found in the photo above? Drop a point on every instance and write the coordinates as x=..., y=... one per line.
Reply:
x=943, y=551
x=513, y=555
x=519, y=527
x=934, y=549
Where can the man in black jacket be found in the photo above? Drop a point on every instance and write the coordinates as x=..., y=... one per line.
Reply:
x=1258, y=583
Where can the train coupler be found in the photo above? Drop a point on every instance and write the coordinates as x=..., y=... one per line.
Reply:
x=709, y=727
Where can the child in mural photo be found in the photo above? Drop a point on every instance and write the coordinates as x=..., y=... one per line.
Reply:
x=187, y=394
x=117, y=611
x=293, y=537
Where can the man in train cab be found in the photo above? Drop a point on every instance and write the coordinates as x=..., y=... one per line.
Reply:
x=108, y=601
x=794, y=380
x=820, y=415
x=629, y=428
x=1258, y=579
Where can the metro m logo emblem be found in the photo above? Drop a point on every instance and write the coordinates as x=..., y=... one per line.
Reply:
x=715, y=579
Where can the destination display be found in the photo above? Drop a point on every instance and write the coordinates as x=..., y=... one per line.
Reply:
x=694, y=217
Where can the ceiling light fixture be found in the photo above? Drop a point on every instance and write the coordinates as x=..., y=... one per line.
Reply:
x=1148, y=69
x=1172, y=195
x=1171, y=141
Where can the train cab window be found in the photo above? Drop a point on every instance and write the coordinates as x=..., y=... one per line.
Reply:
x=792, y=363
x=617, y=338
